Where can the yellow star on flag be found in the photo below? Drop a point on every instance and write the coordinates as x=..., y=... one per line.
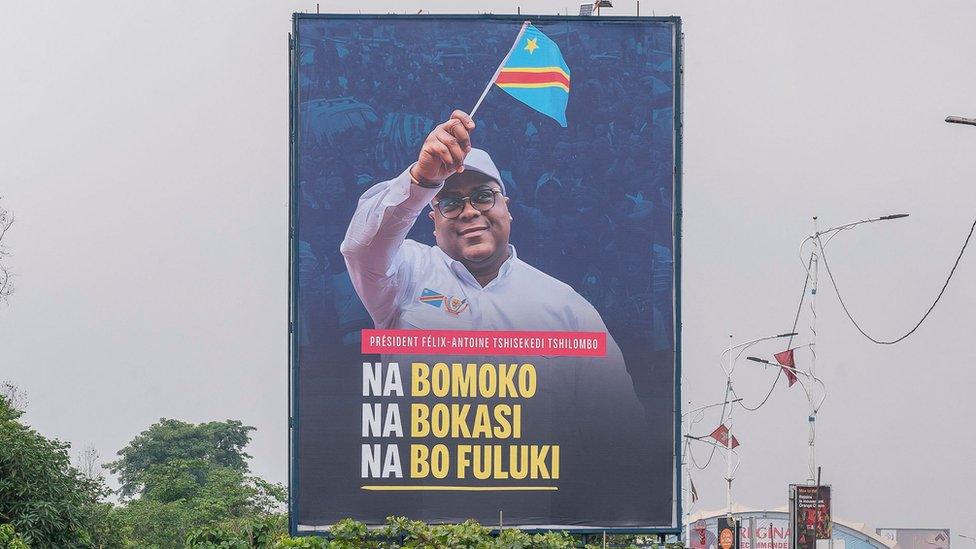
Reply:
x=530, y=45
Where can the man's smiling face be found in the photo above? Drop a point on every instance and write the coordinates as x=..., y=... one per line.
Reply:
x=477, y=239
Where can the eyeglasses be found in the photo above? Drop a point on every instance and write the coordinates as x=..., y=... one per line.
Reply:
x=450, y=207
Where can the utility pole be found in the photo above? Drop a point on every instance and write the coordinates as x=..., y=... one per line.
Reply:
x=818, y=244
x=685, y=466
x=728, y=442
x=812, y=418
x=686, y=457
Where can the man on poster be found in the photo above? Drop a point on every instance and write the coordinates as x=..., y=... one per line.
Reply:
x=472, y=279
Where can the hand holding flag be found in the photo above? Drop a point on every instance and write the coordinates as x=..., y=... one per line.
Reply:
x=444, y=150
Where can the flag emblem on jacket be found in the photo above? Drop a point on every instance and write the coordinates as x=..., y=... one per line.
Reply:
x=432, y=298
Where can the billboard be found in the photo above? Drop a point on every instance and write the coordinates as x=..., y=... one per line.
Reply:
x=917, y=538
x=485, y=309
x=810, y=513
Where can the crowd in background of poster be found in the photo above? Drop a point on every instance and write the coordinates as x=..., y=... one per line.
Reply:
x=593, y=206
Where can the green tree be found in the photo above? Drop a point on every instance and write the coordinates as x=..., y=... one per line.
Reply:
x=189, y=486
x=187, y=496
x=47, y=501
x=217, y=443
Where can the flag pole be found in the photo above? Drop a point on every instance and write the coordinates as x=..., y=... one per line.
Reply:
x=494, y=77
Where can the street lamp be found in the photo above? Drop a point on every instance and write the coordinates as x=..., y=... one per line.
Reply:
x=686, y=453
x=726, y=420
x=707, y=439
x=811, y=267
x=806, y=375
x=817, y=236
x=742, y=347
x=961, y=120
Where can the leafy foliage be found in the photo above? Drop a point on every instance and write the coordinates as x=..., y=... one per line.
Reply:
x=184, y=497
x=403, y=533
x=44, y=498
x=304, y=542
x=193, y=488
x=247, y=535
x=217, y=443
x=9, y=538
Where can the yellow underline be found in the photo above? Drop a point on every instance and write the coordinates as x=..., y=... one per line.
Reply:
x=402, y=488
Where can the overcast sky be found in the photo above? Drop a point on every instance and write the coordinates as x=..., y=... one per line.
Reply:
x=143, y=150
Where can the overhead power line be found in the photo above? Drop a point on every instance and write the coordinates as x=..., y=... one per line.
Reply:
x=789, y=345
x=843, y=305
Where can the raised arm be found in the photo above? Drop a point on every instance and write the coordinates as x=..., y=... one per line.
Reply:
x=373, y=244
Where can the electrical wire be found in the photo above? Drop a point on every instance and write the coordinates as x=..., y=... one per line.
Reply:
x=796, y=321
x=925, y=316
x=711, y=454
x=728, y=386
x=803, y=296
x=760, y=405
x=695, y=461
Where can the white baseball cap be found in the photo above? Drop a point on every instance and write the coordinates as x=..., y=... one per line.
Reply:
x=479, y=161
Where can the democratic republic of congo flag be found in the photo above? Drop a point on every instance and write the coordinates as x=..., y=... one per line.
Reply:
x=536, y=74
x=432, y=298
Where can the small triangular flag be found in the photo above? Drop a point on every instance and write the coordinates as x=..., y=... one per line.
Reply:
x=785, y=360
x=721, y=434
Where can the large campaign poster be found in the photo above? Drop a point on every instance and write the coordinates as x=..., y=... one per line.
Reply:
x=485, y=308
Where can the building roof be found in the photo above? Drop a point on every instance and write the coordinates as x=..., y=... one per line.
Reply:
x=784, y=513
